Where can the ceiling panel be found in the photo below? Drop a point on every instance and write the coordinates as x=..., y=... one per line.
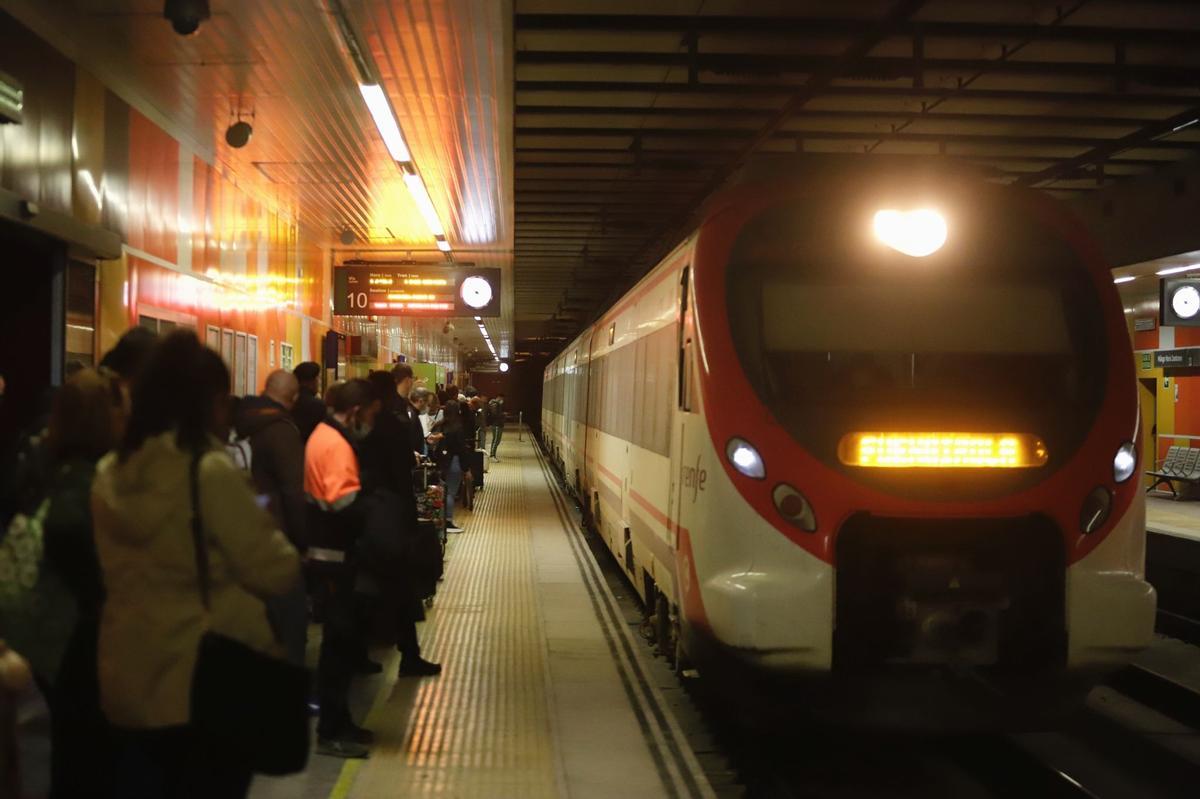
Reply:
x=315, y=154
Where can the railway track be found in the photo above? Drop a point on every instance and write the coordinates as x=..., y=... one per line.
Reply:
x=1102, y=754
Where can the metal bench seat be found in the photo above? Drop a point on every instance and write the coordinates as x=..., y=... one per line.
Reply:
x=1182, y=464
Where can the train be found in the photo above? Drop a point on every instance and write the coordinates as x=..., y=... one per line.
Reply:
x=869, y=436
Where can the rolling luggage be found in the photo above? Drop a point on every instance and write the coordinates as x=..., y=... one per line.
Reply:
x=476, y=460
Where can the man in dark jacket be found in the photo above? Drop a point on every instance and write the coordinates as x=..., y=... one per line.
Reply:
x=406, y=410
x=277, y=467
x=309, y=410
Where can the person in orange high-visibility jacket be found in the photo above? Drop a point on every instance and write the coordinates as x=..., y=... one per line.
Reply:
x=333, y=485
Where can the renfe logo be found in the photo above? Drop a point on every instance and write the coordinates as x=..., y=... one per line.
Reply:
x=694, y=478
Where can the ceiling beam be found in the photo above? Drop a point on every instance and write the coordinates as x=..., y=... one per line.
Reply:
x=786, y=89
x=676, y=112
x=862, y=66
x=824, y=28
x=1148, y=136
x=567, y=132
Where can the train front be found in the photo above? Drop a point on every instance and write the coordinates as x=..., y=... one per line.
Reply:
x=946, y=453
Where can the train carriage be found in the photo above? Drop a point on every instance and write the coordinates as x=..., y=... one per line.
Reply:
x=871, y=424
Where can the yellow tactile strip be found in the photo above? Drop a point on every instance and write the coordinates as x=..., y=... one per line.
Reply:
x=482, y=729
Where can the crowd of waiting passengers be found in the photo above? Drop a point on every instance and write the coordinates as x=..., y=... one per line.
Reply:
x=164, y=549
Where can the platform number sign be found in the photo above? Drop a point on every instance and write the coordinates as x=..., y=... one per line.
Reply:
x=402, y=290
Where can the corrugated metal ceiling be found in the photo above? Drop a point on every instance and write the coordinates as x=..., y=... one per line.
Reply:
x=315, y=152
x=629, y=112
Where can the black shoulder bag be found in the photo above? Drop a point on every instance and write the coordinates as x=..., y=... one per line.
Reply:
x=251, y=702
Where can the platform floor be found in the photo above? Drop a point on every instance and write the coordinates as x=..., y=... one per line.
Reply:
x=1179, y=518
x=541, y=695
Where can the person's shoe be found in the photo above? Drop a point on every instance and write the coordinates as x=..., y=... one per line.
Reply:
x=419, y=667
x=341, y=747
x=358, y=735
x=495, y=457
x=314, y=708
x=369, y=667
x=451, y=527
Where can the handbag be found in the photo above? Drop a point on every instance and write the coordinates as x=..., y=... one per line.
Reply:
x=37, y=610
x=249, y=701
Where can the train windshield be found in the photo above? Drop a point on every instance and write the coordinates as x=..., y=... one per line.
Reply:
x=1001, y=331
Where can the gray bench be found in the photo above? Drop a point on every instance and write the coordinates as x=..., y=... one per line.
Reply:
x=1182, y=464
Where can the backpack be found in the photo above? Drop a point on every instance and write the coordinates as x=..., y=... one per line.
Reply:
x=239, y=451
x=37, y=610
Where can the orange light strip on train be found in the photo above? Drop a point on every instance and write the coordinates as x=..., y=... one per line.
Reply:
x=943, y=450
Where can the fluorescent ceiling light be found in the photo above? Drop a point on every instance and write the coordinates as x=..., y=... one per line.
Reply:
x=443, y=245
x=1125, y=279
x=1177, y=269
x=385, y=121
x=420, y=196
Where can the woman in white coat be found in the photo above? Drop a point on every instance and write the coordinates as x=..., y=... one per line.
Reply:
x=153, y=616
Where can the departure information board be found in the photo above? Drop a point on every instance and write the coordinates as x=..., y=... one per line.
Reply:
x=392, y=290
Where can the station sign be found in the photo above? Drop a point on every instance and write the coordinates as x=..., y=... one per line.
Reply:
x=417, y=290
x=1187, y=358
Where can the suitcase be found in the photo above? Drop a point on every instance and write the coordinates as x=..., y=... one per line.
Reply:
x=477, y=460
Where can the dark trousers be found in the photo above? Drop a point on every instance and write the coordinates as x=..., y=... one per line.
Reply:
x=83, y=746
x=342, y=643
x=497, y=434
x=288, y=615
x=407, y=642
x=178, y=763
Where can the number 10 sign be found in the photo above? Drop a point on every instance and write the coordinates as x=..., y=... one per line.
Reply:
x=389, y=290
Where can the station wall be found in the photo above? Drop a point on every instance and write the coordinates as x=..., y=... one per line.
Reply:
x=1176, y=418
x=197, y=251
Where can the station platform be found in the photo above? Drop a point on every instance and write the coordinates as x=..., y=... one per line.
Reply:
x=1179, y=518
x=544, y=692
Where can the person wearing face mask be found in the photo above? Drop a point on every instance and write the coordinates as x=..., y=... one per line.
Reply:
x=333, y=485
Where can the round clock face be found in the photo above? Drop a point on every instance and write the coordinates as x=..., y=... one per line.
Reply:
x=1185, y=302
x=476, y=292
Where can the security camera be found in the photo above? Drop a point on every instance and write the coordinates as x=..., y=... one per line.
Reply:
x=185, y=16
x=238, y=134
x=446, y=328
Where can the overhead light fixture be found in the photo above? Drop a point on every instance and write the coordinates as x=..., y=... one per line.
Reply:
x=442, y=244
x=504, y=366
x=385, y=121
x=420, y=195
x=1174, y=270
x=1124, y=279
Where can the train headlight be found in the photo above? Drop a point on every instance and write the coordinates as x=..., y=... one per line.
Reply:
x=918, y=233
x=1124, y=462
x=793, y=506
x=1096, y=507
x=745, y=458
